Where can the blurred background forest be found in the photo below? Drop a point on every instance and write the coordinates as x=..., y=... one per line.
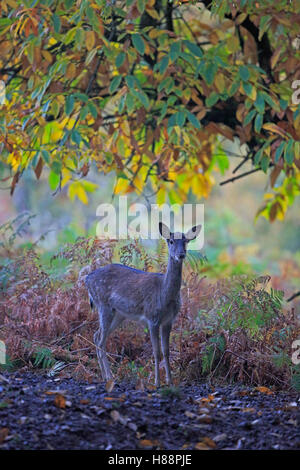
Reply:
x=235, y=241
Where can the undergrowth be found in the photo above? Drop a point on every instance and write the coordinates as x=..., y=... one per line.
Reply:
x=233, y=329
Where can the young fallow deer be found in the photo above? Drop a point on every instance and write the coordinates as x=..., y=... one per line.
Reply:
x=121, y=292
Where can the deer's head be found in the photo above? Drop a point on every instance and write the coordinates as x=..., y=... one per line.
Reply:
x=177, y=242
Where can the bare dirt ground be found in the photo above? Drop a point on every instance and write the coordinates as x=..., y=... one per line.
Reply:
x=38, y=412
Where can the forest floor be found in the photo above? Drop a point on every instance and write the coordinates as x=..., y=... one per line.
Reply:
x=38, y=412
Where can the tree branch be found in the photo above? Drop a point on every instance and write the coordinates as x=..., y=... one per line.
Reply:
x=231, y=180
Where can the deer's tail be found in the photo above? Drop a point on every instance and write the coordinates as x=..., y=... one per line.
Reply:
x=90, y=297
x=91, y=302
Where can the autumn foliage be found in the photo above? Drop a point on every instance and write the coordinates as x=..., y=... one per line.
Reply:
x=151, y=90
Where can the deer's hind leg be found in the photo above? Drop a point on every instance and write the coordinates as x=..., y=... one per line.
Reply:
x=109, y=321
x=154, y=335
x=165, y=344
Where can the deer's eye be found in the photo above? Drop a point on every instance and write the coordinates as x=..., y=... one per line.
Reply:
x=171, y=242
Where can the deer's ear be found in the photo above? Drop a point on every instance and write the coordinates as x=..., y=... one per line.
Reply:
x=164, y=231
x=193, y=233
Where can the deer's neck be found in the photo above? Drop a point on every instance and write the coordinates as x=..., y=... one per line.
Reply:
x=172, y=280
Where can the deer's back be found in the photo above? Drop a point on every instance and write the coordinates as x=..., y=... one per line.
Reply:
x=126, y=290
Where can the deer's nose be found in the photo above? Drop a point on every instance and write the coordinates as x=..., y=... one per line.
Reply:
x=182, y=256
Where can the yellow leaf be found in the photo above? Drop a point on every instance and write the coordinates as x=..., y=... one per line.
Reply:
x=71, y=71
x=233, y=44
x=122, y=186
x=82, y=196
x=47, y=56
x=161, y=196
x=152, y=12
x=220, y=82
x=66, y=176
x=76, y=189
x=89, y=40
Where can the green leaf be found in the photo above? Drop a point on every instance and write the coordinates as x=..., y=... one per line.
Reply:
x=258, y=156
x=249, y=117
x=53, y=180
x=209, y=72
x=142, y=97
x=234, y=88
x=193, y=48
x=270, y=101
x=264, y=163
x=120, y=59
x=193, y=120
x=244, y=73
x=260, y=103
x=247, y=87
x=138, y=43
x=93, y=109
x=129, y=102
x=180, y=118
x=289, y=152
x=167, y=83
x=46, y=156
x=90, y=13
x=258, y=122
x=69, y=105
x=279, y=151
x=84, y=112
x=56, y=23
x=122, y=104
x=130, y=81
x=263, y=25
x=141, y=4
x=212, y=99
x=175, y=51
x=75, y=136
x=115, y=83
x=163, y=64
x=56, y=166
x=172, y=121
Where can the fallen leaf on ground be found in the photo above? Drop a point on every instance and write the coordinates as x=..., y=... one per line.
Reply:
x=204, y=419
x=114, y=398
x=185, y=446
x=3, y=434
x=264, y=390
x=248, y=410
x=60, y=401
x=208, y=441
x=189, y=414
x=207, y=399
x=148, y=444
x=109, y=385
x=202, y=446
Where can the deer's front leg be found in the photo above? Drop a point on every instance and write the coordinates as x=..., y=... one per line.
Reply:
x=154, y=335
x=165, y=344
